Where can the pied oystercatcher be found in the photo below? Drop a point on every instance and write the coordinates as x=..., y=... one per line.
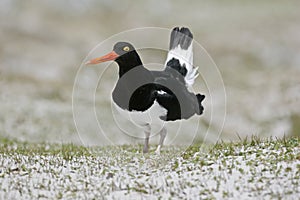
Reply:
x=150, y=98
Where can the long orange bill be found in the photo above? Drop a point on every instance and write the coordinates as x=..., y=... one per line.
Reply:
x=110, y=56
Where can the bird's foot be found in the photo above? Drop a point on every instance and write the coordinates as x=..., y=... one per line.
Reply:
x=158, y=150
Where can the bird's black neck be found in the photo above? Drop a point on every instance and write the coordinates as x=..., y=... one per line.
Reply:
x=134, y=83
x=128, y=62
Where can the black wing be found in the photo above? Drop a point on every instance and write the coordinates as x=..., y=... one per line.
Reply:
x=172, y=94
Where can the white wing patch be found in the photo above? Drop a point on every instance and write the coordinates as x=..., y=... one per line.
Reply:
x=185, y=57
x=161, y=92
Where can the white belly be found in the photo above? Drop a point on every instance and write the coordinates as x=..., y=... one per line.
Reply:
x=150, y=116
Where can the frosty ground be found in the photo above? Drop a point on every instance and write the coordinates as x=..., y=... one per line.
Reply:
x=247, y=169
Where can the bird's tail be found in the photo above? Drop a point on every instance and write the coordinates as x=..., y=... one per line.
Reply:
x=200, y=98
x=181, y=50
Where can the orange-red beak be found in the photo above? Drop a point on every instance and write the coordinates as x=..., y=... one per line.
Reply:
x=110, y=56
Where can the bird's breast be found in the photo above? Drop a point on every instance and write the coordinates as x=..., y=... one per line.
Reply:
x=153, y=115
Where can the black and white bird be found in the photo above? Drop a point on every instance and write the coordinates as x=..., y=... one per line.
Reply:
x=151, y=98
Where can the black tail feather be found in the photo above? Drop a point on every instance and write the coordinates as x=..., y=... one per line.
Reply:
x=200, y=98
x=181, y=36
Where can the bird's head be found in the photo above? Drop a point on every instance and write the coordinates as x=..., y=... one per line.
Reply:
x=120, y=49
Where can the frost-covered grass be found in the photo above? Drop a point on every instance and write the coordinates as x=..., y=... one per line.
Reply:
x=247, y=169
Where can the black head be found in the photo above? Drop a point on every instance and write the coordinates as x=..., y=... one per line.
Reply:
x=127, y=55
x=124, y=54
x=122, y=48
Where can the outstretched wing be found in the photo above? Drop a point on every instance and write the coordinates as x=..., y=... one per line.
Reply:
x=180, y=56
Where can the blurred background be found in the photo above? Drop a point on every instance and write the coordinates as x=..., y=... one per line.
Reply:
x=255, y=44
